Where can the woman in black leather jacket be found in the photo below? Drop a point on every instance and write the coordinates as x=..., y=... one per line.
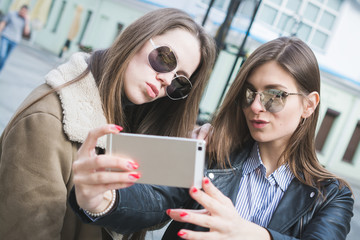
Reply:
x=263, y=179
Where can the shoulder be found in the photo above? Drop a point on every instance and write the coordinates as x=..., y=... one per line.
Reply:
x=334, y=189
x=46, y=109
x=50, y=104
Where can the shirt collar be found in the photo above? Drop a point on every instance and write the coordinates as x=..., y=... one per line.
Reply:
x=253, y=161
x=282, y=176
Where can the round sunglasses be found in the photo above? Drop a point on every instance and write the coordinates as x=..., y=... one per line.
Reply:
x=162, y=59
x=273, y=100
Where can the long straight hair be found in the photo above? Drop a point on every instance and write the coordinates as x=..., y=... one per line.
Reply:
x=163, y=116
x=230, y=128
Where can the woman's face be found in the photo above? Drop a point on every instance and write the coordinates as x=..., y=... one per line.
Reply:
x=265, y=126
x=142, y=84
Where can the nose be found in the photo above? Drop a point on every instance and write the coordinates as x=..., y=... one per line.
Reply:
x=256, y=106
x=165, y=78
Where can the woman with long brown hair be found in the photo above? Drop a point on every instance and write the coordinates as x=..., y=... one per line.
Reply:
x=149, y=81
x=263, y=179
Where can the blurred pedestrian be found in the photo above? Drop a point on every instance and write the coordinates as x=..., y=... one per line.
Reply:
x=12, y=28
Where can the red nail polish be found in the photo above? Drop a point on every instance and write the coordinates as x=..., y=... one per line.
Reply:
x=134, y=176
x=183, y=214
x=118, y=128
x=181, y=233
x=168, y=211
x=133, y=165
x=194, y=189
x=206, y=181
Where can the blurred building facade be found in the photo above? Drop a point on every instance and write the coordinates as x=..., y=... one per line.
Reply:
x=328, y=26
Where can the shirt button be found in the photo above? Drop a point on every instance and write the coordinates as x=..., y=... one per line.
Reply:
x=312, y=194
x=211, y=176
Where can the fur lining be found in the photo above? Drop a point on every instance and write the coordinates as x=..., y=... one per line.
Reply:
x=81, y=103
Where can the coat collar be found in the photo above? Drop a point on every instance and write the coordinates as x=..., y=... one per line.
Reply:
x=292, y=206
x=80, y=101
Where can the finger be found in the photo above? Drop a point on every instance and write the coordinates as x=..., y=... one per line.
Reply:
x=194, y=235
x=177, y=211
x=92, y=137
x=214, y=192
x=200, y=218
x=204, y=131
x=195, y=132
x=211, y=203
x=98, y=178
x=102, y=162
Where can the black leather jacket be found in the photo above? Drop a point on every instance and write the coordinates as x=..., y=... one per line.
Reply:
x=301, y=214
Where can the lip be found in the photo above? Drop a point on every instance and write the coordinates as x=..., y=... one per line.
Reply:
x=258, y=123
x=152, y=90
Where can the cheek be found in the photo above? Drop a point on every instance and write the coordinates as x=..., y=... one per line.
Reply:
x=289, y=120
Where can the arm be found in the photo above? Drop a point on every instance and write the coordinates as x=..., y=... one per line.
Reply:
x=4, y=22
x=26, y=30
x=331, y=219
x=35, y=166
x=139, y=206
x=93, y=180
x=2, y=25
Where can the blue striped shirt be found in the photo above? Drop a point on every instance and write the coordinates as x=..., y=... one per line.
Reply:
x=259, y=195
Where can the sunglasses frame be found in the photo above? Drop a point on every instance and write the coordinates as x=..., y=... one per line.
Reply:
x=283, y=95
x=176, y=76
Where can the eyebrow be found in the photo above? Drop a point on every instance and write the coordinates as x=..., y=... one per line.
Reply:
x=270, y=86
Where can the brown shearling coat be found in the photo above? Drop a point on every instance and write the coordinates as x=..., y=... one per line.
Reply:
x=36, y=157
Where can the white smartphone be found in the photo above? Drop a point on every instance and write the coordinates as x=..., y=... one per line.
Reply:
x=170, y=161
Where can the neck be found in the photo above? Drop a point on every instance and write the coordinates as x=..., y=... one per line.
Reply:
x=270, y=155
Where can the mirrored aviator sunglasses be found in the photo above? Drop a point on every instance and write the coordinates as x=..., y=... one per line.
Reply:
x=163, y=60
x=273, y=100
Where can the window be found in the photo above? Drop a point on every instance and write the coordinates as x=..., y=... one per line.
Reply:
x=87, y=20
x=62, y=8
x=353, y=145
x=268, y=14
x=325, y=128
x=311, y=20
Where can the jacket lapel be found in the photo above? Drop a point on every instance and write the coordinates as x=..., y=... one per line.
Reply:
x=81, y=102
x=297, y=199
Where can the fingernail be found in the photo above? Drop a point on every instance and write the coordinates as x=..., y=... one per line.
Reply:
x=206, y=181
x=119, y=128
x=194, y=189
x=116, y=127
x=183, y=214
x=168, y=211
x=181, y=233
x=134, y=176
x=132, y=165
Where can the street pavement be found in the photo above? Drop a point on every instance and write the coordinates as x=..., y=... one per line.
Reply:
x=25, y=70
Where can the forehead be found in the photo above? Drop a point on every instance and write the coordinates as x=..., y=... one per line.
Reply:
x=186, y=47
x=270, y=75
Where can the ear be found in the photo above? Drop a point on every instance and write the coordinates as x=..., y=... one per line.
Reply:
x=311, y=102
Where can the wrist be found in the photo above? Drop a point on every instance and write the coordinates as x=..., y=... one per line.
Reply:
x=107, y=205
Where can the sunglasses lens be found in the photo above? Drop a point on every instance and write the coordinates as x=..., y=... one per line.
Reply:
x=249, y=98
x=179, y=88
x=271, y=100
x=162, y=59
